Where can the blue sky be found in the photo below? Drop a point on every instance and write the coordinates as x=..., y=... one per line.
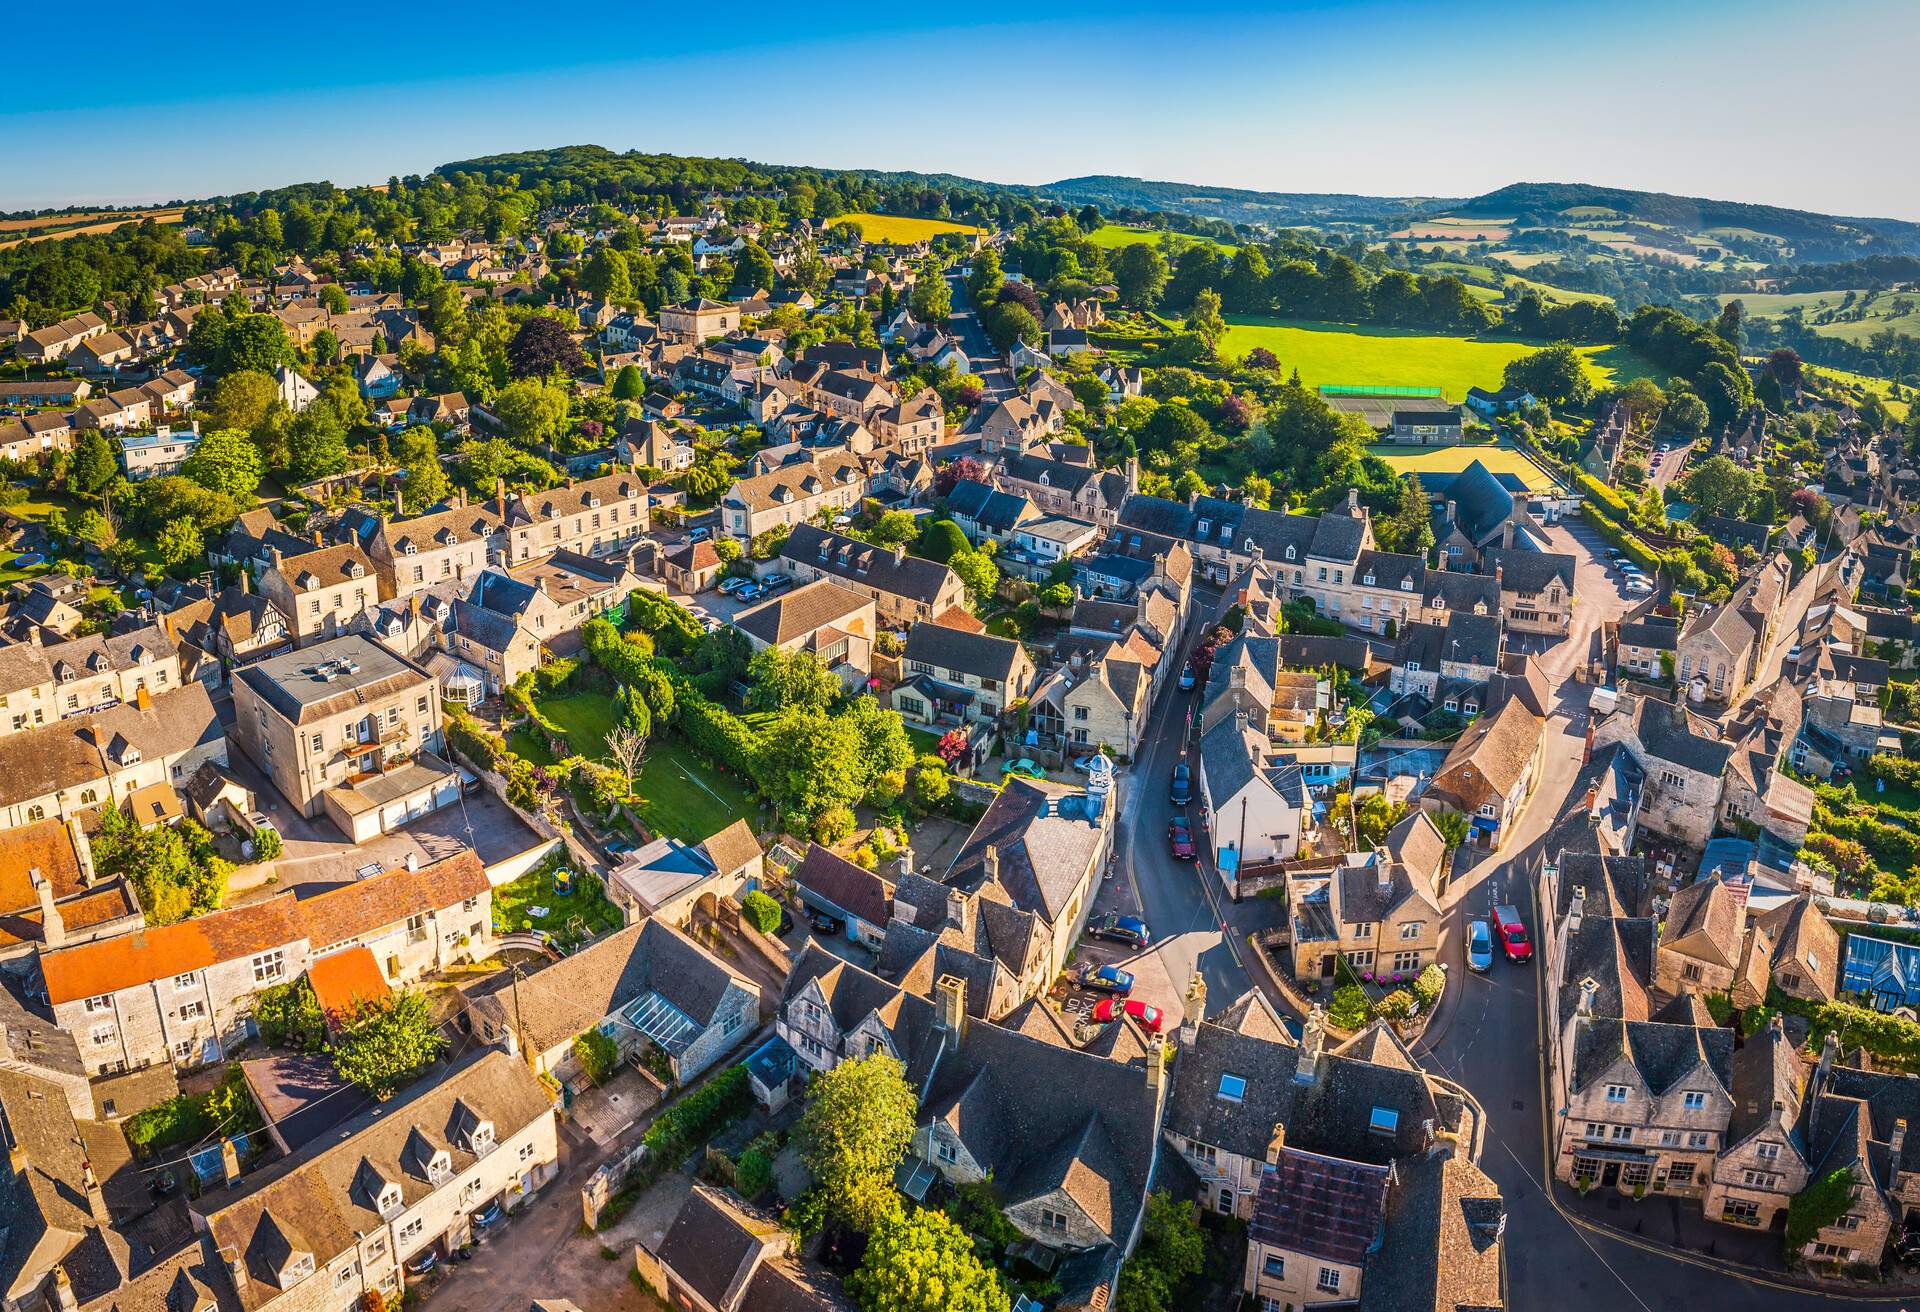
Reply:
x=1810, y=106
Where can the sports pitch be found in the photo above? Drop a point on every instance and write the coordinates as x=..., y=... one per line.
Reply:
x=1499, y=458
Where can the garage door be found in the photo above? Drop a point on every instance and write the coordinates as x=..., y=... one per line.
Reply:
x=446, y=792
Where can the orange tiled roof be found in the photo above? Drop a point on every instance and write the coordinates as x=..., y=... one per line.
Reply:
x=344, y=980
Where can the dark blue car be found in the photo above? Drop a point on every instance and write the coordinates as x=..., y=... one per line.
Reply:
x=1182, y=791
x=1130, y=930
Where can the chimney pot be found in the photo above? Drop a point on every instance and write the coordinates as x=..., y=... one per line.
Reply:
x=1277, y=1143
x=951, y=991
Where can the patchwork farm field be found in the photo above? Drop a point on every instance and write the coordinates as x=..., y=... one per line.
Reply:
x=1345, y=354
x=1829, y=314
x=901, y=229
x=1498, y=457
x=1113, y=237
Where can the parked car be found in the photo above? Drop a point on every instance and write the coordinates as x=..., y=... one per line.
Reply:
x=1107, y=979
x=1122, y=929
x=826, y=924
x=1180, y=840
x=1479, y=945
x=775, y=582
x=1513, y=933
x=1149, y=1018
x=752, y=592
x=1182, y=791
x=423, y=1262
x=489, y=1216
x=1186, y=678
x=1639, y=586
x=733, y=583
x=699, y=534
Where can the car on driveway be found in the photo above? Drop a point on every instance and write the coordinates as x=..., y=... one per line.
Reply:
x=1181, y=792
x=733, y=583
x=423, y=1263
x=1149, y=1018
x=825, y=924
x=489, y=1216
x=752, y=592
x=1513, y=933
x=1107, y=979
x=1130, y=930
x=773, y=583
x=1180, y=840
x=699, y=534
x=1638, y=586
x=1479, y=945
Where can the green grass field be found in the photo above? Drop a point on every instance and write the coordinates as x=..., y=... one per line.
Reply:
x=580, y=914
x=1113, y=237
x=1879, y=314
x=585, y=717
x=901, y=229
x=1497, y=457
x=684, y=799
x=1346, y=354
x=1878, y=386
x=1485, y=283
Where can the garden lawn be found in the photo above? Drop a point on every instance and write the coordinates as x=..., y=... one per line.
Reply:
x=682, y=798
x=585, y=717
x=924, y=743
x=901, y=228
x=587, y=900
x=1328, y=354
x=1498, y=457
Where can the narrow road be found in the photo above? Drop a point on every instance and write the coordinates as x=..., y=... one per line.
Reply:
x=964, y=323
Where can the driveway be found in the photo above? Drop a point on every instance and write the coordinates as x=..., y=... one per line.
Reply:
x=317, y=857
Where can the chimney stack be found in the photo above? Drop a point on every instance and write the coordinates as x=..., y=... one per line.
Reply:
x=1450, y=510
x=1156, y=1067
x=990, y=859
x=229, y=1161
x=245, y=583
x=1196, y=1009
x=142, y=698
x=951, y=994
x=1276, y=1143
x=96, y=1200
x=236, y=1266
x=1897, y=1141
x=319, y=538
x=17, y=1159
x=1828, y=1051
x=1312, y=1040
x=959, y=912
x=63, y=1290
x=53, y=929
x=1588, y=991
x=1586, y=753
x=1353, y=502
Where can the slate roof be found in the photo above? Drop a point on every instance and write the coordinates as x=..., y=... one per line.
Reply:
x=291, y=685
x=1666, y=732
x=803, y=611
x=1530, y=571
x=1323, y=1207
x=1442, y=1250
x=1471, y=639
x=1707, y=919
x=1767, y=1086
x=1230, y=757
x=1494, y=750
x=576, y=993
x=1616, y=954
x=837, y=881
x=1481, y=503
x=1046, y=838
x=319, y=1202
x=1802, y=934
x=1039, y=1117
x=983, y=654
x=86, y=748
x=1663, y=1055
x=871, y=567
x=987, y=506
x=1653, y=633
x=853, y=994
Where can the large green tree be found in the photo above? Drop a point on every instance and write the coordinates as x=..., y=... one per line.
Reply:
x=226, y=460
x=534, y=412
x=854, y=1130
x=382, y=1045
x=778, y=679
x=607, y=276
x=94, y=464
x=1719, y=486
x=257, y=342
x=922, y=1262
x=242, y=401
x=316, y=442
x=417, y=451
x=1140, y=272
x=1556, y=374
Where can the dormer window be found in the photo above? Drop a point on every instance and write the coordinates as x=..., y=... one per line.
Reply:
x=1406, y=585
x=296, y=1270
x=409, y=549
x=1290, y=555
x=440, y=1167
x=481, y=1139
x=390, y=1200
x=1204, y=527
x=1369, y=579
x=355, y=569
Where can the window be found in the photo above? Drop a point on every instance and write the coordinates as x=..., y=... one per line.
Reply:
x=417, y=928
x=1680, y=1173
x=1225, y=1202
x=1834, y=1251
x=100, y=1003
x=1364, y=929
x=194, y=1010
x=1360, y=960
x=1759, y=1179
x=377, y=1246
x=1384, y=1120
x=1595, y=1130
x=1669, y=1138
x=1586, y=1168
x=1079, y=712
x=269, y=966
x=1233, y=1088
x=1616, y=1093
x=1693, y=1100
x=344, y=1276
x=1329, y=1279
x=1412, y=928
x=1623, y=1134
x=945, y=1151
x=187, y=980
x=1405, y=962
x=1273, y=1305
x=102, y=1035
x=1052, y=1220
x=1698, y=1139
x=1745, y=1210
x=186, y=1050
x=526, y=1152
x=1767, y=1152
x=390, y=1199
x=1204, y=1153
x=412, y=1229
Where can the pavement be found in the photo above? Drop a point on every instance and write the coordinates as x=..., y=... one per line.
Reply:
x=989, y=366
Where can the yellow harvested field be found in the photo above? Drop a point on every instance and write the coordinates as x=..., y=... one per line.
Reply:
x=902, y=229
x=1497, y=457
x=105, y=225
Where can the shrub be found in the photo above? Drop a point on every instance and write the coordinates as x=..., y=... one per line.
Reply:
x=597, y=1054
x=833, y=824
x=1818, y=1206
x=180, y=1119
x=761, y=911
x=1397, y=1005
x=1428, y=985
x=289, y=1017
x=700, y=1115
x=1349, y=1008
x=266, y=843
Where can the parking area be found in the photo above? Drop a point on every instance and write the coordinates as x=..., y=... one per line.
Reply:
x=317, y=856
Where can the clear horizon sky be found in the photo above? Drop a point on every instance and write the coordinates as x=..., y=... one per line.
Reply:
x=1807, y=106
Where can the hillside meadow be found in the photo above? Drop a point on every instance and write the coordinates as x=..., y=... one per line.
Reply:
x=1350, y=355
x=901, y=229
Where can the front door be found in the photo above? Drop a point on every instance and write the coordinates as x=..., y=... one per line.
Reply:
x=1610, y=1174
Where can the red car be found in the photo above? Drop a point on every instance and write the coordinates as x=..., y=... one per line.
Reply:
x=1180, y=839
x=1513, y=934
x=1150, y=1019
